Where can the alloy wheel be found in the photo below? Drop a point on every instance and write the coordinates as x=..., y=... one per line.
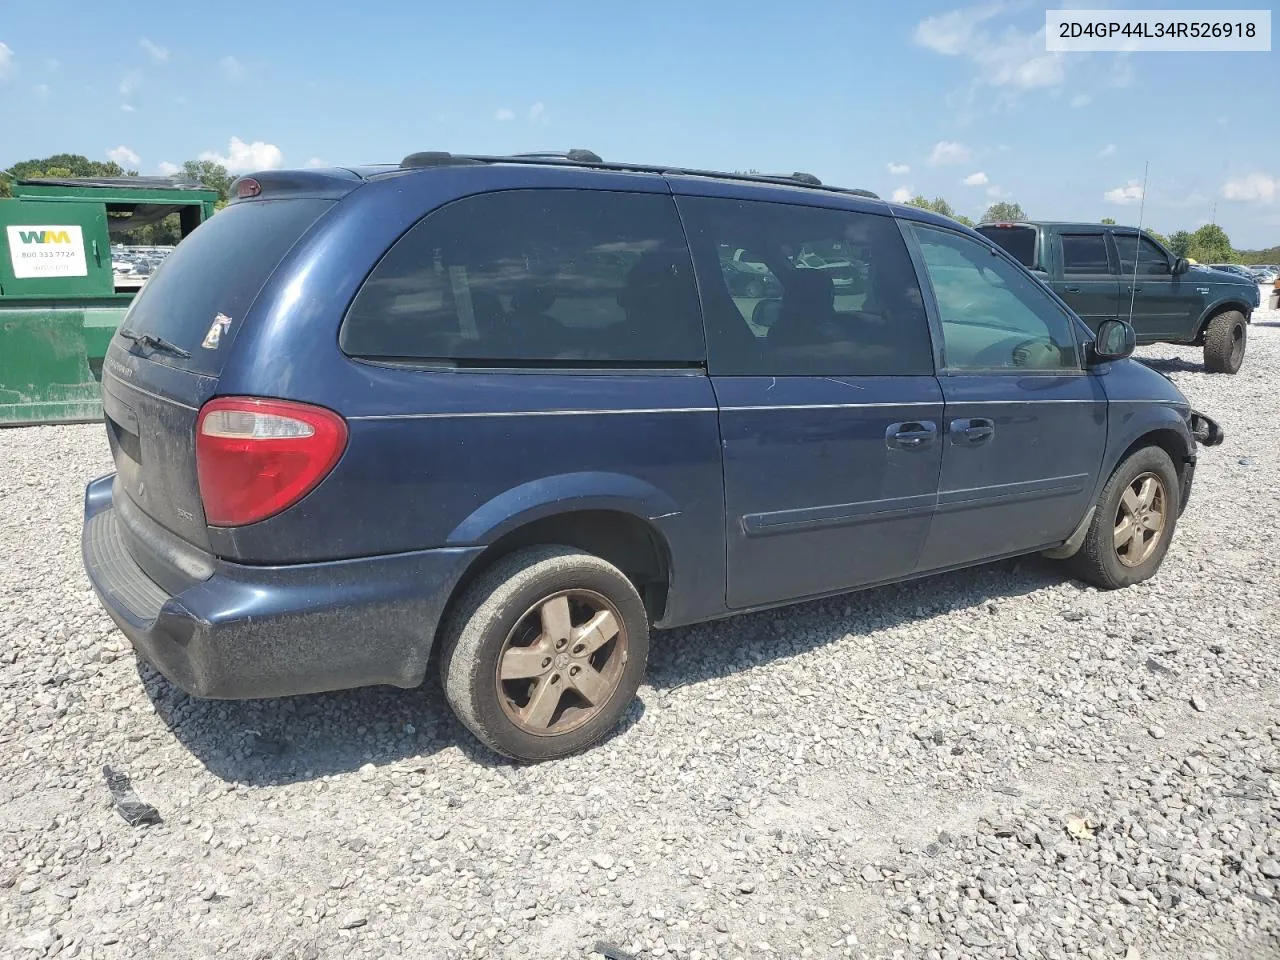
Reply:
x=561, y=662
x=1140, y=519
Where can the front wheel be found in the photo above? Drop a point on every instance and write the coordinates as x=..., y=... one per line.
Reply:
x=545, y=652
x=1133, y=523
x=1224, y=342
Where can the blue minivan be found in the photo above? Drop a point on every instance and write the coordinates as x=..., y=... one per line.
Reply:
x=506, y=414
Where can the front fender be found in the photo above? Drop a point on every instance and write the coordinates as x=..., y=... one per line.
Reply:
x=1129, y=422
x=1224, y=302
x=561, y=493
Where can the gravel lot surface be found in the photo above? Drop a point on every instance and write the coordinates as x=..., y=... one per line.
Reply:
x=996, y=763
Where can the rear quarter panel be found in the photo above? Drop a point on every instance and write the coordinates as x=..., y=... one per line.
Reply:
x=457, y=458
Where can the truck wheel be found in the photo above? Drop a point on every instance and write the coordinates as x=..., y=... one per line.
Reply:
x=1224, y=341
x=545, y=652
x=1133, y=525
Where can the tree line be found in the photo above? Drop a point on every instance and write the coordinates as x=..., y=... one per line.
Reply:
x=164, y=232
x=1207, y=244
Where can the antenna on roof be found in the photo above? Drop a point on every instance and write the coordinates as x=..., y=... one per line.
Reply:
x=1137, y=239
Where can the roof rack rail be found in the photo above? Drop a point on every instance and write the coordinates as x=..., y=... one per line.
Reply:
x=576, y=156
x=437, y=158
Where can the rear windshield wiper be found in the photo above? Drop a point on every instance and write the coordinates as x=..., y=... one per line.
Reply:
x=156, y=343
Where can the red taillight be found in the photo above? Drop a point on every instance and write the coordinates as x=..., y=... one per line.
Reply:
x=256, y=457
x=247, y=187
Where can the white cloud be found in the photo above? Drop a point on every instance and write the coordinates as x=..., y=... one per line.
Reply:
x=42, y=91
x=1007, y=58
x=244, y=157
x=948, y=151
x=317, y=162
x=128, y=108
x=1108, y=151
x=158, y=53
x=538, y=113
x=52, y=64
x=902, y=195
x=995, y=193
x=167, y=169
x=130, y=82
x=504, y=114
x=1122, y=72
x=124, y=156
x=1253, y=186
x=1081, y=100
x=7, y=67
x=1128, y=194
x=898, y=169
x=233, y=68
x=975, y=179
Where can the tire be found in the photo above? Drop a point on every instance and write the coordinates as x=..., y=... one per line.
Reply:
x=1224, y=342
x=512, y=616
x=755, y=289
x=1103, y=563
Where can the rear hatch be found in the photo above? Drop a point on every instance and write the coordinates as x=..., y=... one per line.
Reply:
x=1016, y=239
x=165, y=360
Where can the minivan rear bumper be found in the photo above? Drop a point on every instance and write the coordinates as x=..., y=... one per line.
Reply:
x=249, y=631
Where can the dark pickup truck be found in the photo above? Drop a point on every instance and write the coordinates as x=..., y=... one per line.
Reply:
x=1104, y=271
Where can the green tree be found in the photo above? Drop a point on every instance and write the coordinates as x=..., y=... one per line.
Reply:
x=1159, y=236
x=1180, y=243
x=210, y=174
x=939, y=205
x=67, y=165
x=1004, y=210
x=1210, y=244
x=1109, y=221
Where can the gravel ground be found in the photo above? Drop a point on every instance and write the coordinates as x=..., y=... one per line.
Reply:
x=995, y=763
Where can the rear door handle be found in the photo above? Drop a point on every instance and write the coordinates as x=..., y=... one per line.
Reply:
x=1133, y=289
x=1073, y=289
x=971, y=432
x=911, y=434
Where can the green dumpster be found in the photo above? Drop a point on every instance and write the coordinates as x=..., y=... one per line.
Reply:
x=60, y=298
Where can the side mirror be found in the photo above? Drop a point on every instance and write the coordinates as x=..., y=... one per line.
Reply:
x=1180, y=265
x=1115, y=340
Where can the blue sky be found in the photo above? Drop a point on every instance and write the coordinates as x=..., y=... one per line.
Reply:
x=958, y=101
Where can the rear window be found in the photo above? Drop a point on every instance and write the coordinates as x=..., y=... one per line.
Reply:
x=1018, y=242
x=548, y=277
x=218, y=271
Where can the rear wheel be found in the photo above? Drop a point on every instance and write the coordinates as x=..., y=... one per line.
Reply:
x=1133, y=524
x=1224, y=342
x=545, y=652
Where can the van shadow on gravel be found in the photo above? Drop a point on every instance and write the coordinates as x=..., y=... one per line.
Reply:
x=292, y=739
x=689, y=655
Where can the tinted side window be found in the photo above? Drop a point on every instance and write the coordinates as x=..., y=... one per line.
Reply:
x=569, y=276
x=1085, y=253
x=805, y=291
x=1151, y=259
x=994, y=317
x=1017, y=241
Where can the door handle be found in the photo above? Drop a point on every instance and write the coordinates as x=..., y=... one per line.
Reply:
x=1133, y=289
x=911, y=434
x=972, y=432
x=1073, y=289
